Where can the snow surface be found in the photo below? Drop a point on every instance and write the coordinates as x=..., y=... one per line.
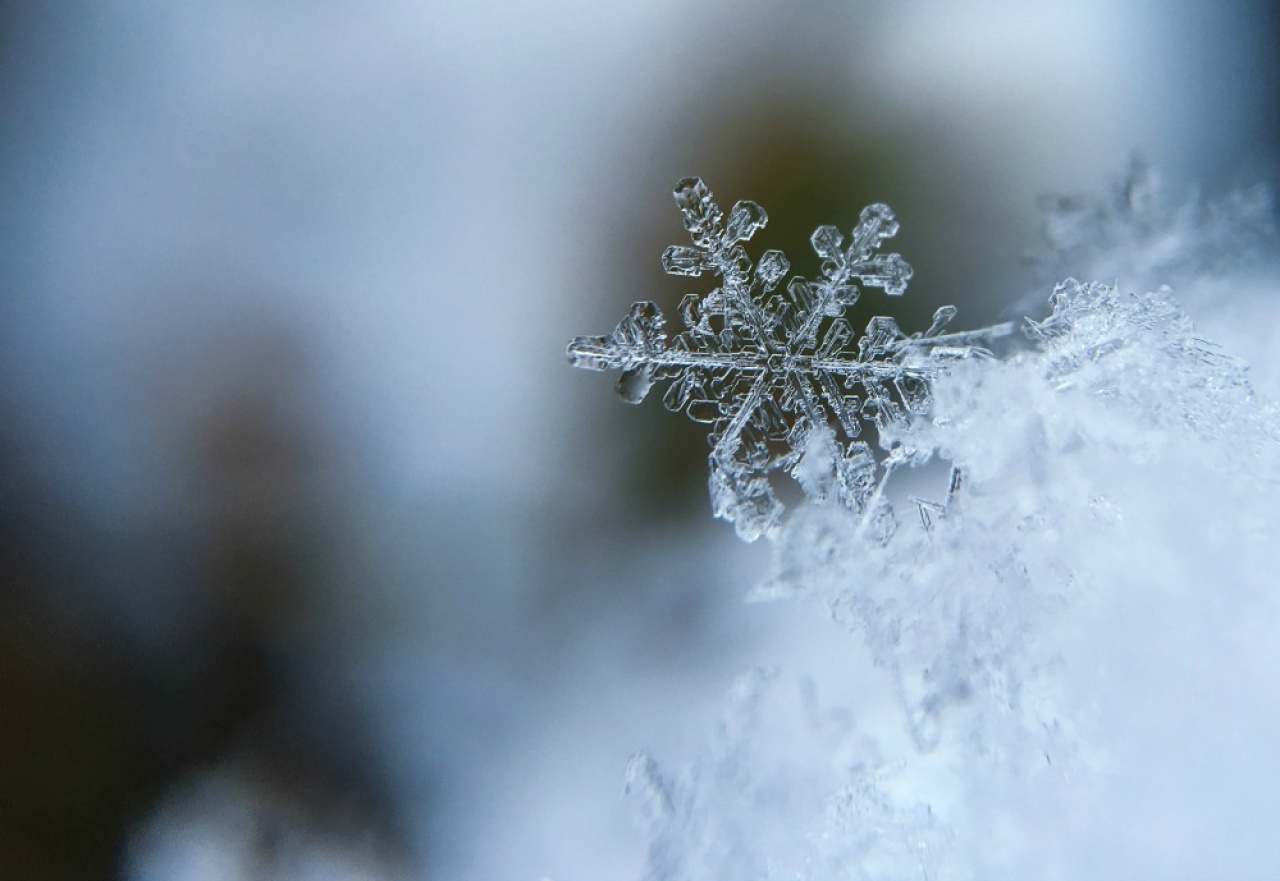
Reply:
x=1070, y=673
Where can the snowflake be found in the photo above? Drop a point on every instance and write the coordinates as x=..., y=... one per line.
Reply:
x=777, y=372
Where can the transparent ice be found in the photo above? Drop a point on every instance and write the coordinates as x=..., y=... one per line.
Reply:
x=1112, y=475
x=776, y=370
x=1068, y=669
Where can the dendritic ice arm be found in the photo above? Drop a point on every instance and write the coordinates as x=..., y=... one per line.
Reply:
x=777, y=372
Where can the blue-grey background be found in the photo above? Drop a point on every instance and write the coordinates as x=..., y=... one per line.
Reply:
x=316, y=555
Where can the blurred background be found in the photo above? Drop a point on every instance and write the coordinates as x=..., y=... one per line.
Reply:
x=318, y=560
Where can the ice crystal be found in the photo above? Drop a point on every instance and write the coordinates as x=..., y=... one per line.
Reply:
x=1082, y=639
x=1021, y=659
x=777, y=371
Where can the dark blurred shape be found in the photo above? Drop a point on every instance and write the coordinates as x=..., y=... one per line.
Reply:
x=76, y=763
x=96, y=731
x=258, y=507
x=77, y=712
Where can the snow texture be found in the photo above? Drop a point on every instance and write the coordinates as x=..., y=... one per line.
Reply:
x=1145, y=233
x=777, y=372
x=1006, y=633
x=1066, y=671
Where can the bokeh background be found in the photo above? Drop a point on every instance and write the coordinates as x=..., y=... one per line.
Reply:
x=318, y=560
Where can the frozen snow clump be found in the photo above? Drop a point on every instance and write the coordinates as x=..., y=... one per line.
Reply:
x=1066, y=667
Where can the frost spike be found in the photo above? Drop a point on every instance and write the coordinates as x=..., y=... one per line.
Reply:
x=637, y=337
x=693, y=198
x=941, y=319
x=745, y=220
x=888, y=271
x=875, y=224
x=826, y=241
x=770, y=269
x=683, y=260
